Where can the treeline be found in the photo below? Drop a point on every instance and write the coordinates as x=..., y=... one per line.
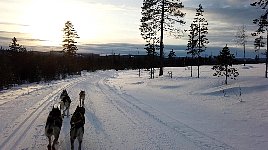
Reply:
x=18, y=67
x=27, y=67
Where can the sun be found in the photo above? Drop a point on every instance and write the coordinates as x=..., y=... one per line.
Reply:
x=94, y=22
x=42, y=24
x=46, y=19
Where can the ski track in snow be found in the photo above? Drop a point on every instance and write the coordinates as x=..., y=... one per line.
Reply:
x=15, y=135
x=114, y=120
x=201, y=140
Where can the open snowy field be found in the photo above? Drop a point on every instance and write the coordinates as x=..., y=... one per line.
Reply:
x=125, y=111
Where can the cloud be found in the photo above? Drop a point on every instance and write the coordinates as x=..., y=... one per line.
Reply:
x=224, y=17
x=23, y=39
x=10, y=23
x=129, y=3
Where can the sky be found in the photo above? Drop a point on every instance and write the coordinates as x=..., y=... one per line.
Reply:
x=38, y=24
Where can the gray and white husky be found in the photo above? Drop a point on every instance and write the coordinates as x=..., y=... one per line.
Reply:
x=65, y=103
x=77, y=126
x=53, y=127
x=82, y=96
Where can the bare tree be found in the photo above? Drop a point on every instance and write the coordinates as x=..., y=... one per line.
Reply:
x=241, y=39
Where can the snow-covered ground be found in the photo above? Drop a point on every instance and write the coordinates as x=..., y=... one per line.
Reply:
x=124, y=111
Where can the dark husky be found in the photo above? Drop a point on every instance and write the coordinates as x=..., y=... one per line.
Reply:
x=65, y=103
x=53, y=126
x=63, y=93
x=82, y=96
x=77, y=126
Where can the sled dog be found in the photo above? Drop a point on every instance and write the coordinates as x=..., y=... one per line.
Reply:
x=65, y=103
x=82, y=96
x=77, y=126
x=53, y=127
x=63, y=93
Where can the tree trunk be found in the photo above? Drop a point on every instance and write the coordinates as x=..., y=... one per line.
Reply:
x=226, y=74
x=266, y=62
x=198, y=69
x=192, y=66
x=244, y=54
x=161, y=39
x=199, y=48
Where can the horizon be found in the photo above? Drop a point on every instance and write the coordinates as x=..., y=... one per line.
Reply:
x=138, y=49
x=116, y=24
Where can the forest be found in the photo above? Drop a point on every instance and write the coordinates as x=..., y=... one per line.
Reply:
x=32, y=66
x=19, y=66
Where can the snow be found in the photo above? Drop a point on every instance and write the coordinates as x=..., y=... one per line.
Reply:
x=125, y=111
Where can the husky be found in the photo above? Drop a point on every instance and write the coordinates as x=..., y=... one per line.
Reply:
x=65, y=103
x=77, y=126
x=64, y=93
x=82, y=96
x=53, y=127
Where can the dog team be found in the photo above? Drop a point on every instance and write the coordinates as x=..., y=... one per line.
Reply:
x=55, y=118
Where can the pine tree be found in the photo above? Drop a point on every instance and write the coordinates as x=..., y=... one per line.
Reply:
x=160, y=15
x=262, y=22
x=69, y=37
x=261, y=3
x=197, y=42
x=258, y=43
x=192, y=42
x=224, y=67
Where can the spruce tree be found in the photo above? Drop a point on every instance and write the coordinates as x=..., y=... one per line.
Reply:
x=69, y=37
x=224, y=65
x=14, y=46
x=171, y=54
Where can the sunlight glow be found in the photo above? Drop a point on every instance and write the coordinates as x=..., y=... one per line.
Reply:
x=46, y=19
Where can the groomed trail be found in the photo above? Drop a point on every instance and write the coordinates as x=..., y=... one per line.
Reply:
x=114, y=120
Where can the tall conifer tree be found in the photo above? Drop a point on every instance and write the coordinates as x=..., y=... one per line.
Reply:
x=159, y=16
x=69, y=37
x=197, y=38
x=262, y=23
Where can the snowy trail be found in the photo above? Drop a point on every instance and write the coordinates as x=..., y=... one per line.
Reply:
x=114, y=120
x=201, y=140
x=124, y=111
x=116, y=124
x=16, y=134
